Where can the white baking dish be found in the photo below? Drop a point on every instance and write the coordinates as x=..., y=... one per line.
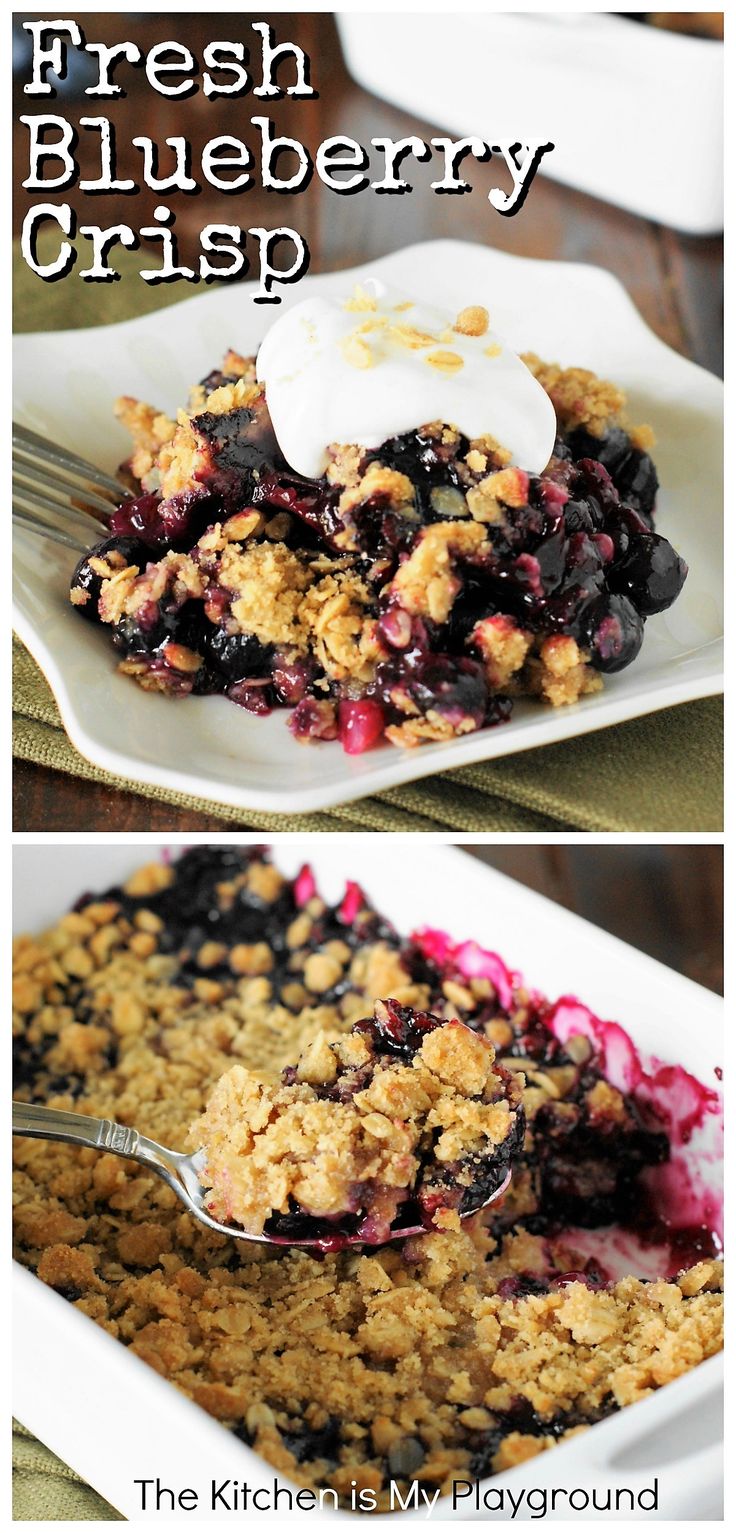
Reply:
x=114, y=1420
x=635, y=113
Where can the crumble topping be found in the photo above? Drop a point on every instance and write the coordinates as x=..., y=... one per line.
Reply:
x=338, y=614
x=583, y=400
x=507, y=487
x=472, y=320
x=234, y=367
x=426, y=584
x=406, y=1115
x=560, y=672
x=504, y=648
x=458, y=1353
x=579, y=397
x=150, y=430
x=267, y=582
x=623, y=1342
x=433, y=726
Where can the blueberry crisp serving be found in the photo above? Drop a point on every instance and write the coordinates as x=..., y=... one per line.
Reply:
x=386, y=522
x=407, y=1115
x=336, y=1072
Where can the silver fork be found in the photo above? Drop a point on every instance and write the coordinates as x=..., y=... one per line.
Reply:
x=58, y=495
x=182, y=1173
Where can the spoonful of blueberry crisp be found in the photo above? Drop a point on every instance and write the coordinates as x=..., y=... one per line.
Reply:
x=403, y=1126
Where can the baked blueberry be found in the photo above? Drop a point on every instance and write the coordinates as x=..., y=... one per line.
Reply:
x=651, y=573
x=614, y=631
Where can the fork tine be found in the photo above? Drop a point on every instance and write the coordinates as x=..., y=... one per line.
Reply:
x=32, y=447
x=64, y=473
x=30, y=523
x=37, y=480
x=42, y=507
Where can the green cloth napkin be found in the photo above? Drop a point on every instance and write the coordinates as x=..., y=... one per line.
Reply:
x=664, y=775
x=45, y=1490
x=659, y=773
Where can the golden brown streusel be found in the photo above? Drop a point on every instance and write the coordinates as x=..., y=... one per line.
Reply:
x=267, y=582
x=382, y=1138
x=581, y=398
x=560, y=672
x=337, y=614
x=425, y=583
x=504, y=648
x=150, y=429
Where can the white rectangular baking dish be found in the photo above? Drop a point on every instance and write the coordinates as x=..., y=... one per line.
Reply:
x=635, y=113
x=114, y=1420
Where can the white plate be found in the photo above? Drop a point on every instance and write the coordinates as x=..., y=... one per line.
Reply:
x=65, y=384
x=114, y=1420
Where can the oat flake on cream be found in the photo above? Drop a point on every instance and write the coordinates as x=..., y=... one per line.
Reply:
x=363, y=368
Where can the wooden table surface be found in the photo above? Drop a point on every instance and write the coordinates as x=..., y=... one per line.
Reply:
x=675, y=281
x=665, y=900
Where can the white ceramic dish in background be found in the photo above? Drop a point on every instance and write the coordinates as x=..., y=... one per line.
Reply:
x=65, y=385
x=114, y=1420
x=635, y=113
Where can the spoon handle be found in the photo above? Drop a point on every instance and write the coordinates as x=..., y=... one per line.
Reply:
x=36, y=1122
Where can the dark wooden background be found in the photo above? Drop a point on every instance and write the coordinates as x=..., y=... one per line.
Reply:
x=665, y=900
x=675, y=281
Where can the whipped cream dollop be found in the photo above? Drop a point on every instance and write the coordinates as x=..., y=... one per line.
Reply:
x=368, y=366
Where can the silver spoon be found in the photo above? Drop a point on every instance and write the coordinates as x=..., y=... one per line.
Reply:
x=182, y=1173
